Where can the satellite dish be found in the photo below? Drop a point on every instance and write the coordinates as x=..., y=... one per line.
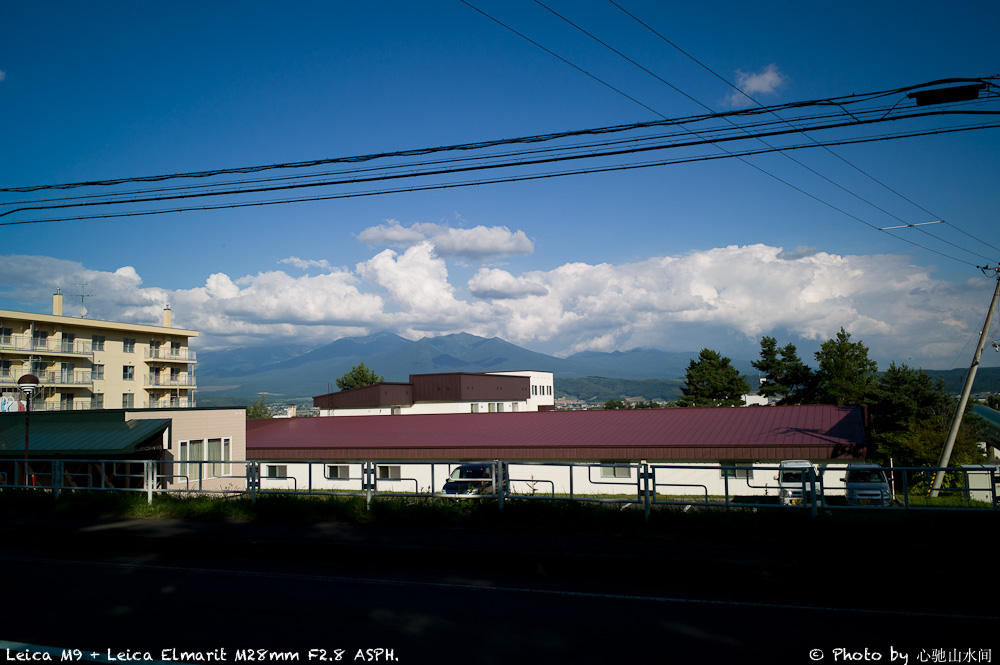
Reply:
x=83, y=311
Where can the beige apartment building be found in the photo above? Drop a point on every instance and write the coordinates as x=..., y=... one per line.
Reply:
x=87, y=364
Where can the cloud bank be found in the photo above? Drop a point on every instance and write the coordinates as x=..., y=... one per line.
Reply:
x=723, y=298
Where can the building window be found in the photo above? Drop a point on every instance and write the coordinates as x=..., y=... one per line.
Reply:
x=338, y=472
x=534, y=391
x=175, y=349
x=128, y=400
x=615, y=470
x=220, y=454
x=128, y=373
x=4, y=368
x=68, y=342
x=65, y=401
x=97, y=342
x=128, y=345
x=208, y=459
x=97, y=401
x=475, y=408
x=40, y=340
x=97, y=373
x=549, y=389
x=5, y=335
x=277, y=471
x=728, y=469
x=389, y=473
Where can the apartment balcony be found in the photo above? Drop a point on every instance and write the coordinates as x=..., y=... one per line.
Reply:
x=167, y=381
x=62, y=405
x=17, y=344
x=173, y=403
x=170, y=355
x=49, y=379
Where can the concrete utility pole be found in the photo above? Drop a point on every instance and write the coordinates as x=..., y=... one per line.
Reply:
x=969, y=379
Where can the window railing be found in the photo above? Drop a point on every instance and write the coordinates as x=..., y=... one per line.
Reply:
x=167, y=381
x=48, y=378
x=31, y=344
x=171, y=355
x=169, y=404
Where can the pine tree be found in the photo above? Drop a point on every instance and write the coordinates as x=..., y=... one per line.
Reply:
x=712, y=381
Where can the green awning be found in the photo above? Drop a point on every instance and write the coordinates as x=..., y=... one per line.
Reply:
x=83, y=437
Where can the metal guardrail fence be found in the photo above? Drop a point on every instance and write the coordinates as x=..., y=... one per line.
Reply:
x=639, y=484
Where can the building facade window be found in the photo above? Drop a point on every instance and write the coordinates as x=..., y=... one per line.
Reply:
x=5, y=336
x=386, y=472
x=97, y=342
x=128, y=373
x=97, y=401
x=128, y=345
x=128, y=401
x=615, y=470
x=97, y=372
x=40, y=340
x=277, y=471
x=338, y=471
x=209, y=458
x=729, y=469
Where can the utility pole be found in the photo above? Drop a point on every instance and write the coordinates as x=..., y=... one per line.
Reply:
x=969, y=379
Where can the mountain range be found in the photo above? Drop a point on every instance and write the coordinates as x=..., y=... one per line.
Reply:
x=290, y=372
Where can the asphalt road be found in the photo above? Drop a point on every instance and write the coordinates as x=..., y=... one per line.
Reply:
x=280, y=596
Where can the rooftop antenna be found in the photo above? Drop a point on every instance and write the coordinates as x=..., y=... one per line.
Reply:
x=83, y=310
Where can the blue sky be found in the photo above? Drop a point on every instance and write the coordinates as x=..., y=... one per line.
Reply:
x=713, y=253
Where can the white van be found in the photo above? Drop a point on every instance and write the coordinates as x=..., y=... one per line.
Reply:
x=867, y=486
x=794, y=482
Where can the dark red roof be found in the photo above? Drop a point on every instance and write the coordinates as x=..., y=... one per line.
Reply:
x=764, y=433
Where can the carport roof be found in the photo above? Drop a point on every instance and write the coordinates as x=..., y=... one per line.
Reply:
x=77, y=438
x=794, y=432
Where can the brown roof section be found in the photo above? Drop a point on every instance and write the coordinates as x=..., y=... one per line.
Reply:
x=444, y=387
x=755, y=433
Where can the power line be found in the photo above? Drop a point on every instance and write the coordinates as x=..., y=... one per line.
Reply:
x=835, y=154
x=508, y=179
x=787, y=156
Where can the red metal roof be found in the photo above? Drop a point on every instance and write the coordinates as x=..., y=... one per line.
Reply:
x=811, y=432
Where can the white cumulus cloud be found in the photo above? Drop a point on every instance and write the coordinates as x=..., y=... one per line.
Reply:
x=755, y=84
x=477, y=243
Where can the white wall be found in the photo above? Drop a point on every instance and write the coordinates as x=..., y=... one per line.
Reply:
x=688, y=479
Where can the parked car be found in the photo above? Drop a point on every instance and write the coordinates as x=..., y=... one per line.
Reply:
x=867, y=486
x=794, y=478
x=470, y=479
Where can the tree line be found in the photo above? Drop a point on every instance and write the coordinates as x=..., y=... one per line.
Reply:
x=910, y=413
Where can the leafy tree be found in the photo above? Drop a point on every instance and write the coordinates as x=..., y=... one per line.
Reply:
x=785, y=374
x=911, y=416
x=712, y=381
x=358, y=377
x=846, y=374
x=993, y=401
x=257, y=409
x=615, y=404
